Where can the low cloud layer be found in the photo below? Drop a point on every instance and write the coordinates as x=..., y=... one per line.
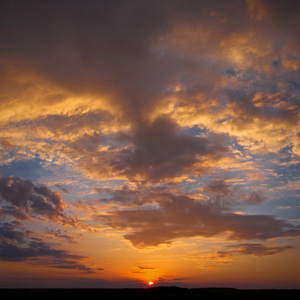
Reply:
x=254, y=249
x=21, y=201
x=163, y=217
x=20, y=245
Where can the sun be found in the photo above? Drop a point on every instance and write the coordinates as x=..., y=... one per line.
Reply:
x=150, y=283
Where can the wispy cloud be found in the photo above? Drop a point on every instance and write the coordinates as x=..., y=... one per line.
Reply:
x=19, y=244
x=254, y=249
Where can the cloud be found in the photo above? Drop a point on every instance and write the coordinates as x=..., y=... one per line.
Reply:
x=8, y=232
x=152, y=151
x=221, y=191
x=254, y=249
x=26, y=199
x=22, y=200
x=147, y=151
x=88, y=68
x=97, y=48
x=15, y=212
x=255, y=197
x=160, y=151
x=178, y=216
x=19, y=245
x=142, y=270
x=285, y=18
x=146, y=268
x=62, y=235
x=218, y=186
x=65, y=190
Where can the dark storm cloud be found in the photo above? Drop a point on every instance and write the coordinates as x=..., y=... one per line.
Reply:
x=179, y=216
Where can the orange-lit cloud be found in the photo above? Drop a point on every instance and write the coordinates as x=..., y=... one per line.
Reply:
x=163, y=217
x=129, y=126
x=256, y=249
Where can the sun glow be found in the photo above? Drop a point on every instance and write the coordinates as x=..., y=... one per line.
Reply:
x=150, y=283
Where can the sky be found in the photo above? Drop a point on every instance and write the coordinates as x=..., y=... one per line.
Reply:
x=149, y=141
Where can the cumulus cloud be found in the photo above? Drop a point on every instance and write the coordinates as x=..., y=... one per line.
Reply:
x=25, y=199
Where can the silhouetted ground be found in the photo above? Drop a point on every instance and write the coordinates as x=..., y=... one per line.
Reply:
x=150, y=293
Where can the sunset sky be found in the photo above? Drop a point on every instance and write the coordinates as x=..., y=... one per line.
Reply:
x=150, y=141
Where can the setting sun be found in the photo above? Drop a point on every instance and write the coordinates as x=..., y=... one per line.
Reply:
x=149, y=139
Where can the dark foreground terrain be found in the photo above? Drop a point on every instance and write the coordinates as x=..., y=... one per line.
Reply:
x=148, y=293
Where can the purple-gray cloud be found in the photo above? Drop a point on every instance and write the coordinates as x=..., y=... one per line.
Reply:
x=22, y=199
x=173, y=216
x=255, y=249
x=156, y=151
x=18, y=245
x=160, y=151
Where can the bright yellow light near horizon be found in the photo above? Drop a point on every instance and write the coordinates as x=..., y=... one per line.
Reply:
x=150, y=283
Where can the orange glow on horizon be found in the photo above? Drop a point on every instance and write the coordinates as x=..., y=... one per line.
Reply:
x=163, y=154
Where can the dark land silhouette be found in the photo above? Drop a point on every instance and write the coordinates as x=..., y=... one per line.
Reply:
x=150, y=293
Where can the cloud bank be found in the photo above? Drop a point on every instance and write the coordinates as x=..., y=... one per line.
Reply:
x=162, y=217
